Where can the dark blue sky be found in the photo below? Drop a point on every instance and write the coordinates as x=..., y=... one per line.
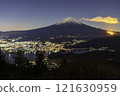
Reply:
x=27, y=14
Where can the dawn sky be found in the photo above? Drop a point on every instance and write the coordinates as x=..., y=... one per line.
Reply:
x=29, y=14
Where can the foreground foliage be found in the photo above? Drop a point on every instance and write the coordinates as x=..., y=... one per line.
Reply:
x=92, y=65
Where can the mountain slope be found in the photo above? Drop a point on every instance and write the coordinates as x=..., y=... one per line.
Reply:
x=68, y=26
x=112, y=42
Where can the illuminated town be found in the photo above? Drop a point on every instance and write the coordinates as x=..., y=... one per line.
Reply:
x=12, y=45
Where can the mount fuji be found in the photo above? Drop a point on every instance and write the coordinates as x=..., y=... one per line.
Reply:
x=68, y=20
x=68, y=26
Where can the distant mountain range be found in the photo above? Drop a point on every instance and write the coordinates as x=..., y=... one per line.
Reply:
x=68, y=26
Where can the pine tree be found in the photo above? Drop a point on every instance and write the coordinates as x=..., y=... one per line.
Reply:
x=64, y=69
x=20, y=59
x=40, y=62
x=2, y=60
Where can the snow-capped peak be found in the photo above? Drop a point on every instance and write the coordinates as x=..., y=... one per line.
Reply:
x=69, y=20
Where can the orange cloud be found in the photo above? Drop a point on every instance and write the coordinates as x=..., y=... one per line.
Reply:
x=108, y=20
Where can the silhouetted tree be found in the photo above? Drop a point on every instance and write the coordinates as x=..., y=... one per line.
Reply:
x=64, y=68
x=2, y=60
x=20, y=59
x=4, y=67
x=41, y=67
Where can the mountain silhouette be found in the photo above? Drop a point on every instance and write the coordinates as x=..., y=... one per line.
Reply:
x=68, y=26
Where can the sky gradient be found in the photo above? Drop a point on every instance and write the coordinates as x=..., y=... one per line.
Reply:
x=29, y=14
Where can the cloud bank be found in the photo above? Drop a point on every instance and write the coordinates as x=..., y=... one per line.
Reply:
x=109, y=20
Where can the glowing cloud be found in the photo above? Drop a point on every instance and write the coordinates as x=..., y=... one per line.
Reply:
x=108, y=20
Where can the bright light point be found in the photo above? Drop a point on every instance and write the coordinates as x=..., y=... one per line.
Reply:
x=110, y=33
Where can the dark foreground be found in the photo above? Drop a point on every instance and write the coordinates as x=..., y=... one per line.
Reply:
x=88, y=66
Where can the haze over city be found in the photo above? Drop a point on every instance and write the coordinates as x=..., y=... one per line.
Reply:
x=32, y=14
